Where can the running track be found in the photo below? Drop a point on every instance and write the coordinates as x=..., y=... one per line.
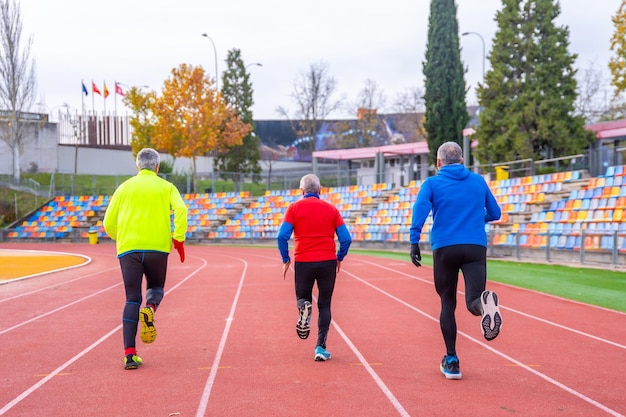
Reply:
x=227, y=345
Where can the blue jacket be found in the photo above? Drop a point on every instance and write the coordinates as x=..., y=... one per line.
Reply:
x=461, y=203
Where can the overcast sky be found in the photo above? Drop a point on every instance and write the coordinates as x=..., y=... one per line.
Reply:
x=138, y=42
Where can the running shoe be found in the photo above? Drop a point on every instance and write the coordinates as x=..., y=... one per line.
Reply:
x=132, y=361
x=303, y=327
x=148, y=331
x=491, y=322
x=321, y=354
x=450, y=367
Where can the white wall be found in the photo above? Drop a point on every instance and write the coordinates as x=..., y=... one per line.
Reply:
x=39, y=150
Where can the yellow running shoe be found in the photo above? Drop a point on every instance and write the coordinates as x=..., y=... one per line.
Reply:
x=132, y=361
x=148, y=331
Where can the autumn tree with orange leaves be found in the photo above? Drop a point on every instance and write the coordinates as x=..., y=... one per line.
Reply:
x=189, y=119
x=142, y=121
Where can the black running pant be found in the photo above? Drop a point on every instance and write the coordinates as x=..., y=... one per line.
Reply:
x=134, y=266
x=447, y=262
x=325, y=273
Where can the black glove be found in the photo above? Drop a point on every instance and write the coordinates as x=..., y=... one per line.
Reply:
x=416, y=256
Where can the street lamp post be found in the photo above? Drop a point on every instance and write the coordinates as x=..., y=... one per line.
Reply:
x=215, y=53
x=483, y=42
x=466, y=144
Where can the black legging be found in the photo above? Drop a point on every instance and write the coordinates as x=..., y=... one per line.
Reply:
x=325, y=272
x=134, y=265
x=447, y=262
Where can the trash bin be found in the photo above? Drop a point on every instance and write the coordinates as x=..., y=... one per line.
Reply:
x=93, y=236
x=502, y=173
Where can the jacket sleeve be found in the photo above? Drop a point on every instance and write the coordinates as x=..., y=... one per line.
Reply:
x=180, y=214
x=492, y=208
x=284, y=234
x=110, y=218
x=421, y=209
x=345, y=240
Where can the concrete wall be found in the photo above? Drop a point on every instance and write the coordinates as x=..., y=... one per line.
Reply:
x=98, y=161
x=39, y=150
x=43, y=149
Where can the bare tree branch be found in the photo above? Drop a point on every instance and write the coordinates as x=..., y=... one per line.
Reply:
x=17, y=81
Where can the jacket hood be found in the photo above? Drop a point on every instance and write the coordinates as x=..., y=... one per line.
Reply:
x=454, y=171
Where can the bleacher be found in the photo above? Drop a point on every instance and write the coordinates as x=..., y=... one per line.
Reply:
x=64, y=217
x=563, y=210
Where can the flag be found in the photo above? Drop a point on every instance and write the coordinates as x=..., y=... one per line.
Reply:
x=106, y=90
x=85, y=92
x=118, y=89
x=94, y=88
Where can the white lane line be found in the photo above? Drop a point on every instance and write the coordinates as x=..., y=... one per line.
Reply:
x=54, y=373
x=63, y=307
x=377, y=379
x=206, y=393
x=41, y=252
x=57, y=285
x=530, y=316
x=364, y=362
x=497, y=352
x=82, y=353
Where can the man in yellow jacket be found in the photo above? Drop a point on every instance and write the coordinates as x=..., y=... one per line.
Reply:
x=138, y=219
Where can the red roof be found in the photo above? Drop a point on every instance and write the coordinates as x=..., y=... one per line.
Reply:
x=607, y=130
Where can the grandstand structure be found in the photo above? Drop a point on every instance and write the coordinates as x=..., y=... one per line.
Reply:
x=560, y=217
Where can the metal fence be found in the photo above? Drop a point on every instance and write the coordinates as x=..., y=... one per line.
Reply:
x=605, y=250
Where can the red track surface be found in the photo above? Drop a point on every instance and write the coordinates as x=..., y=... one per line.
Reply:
x=227, y=345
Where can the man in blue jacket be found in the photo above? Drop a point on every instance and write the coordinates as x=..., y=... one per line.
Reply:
x=461, y=203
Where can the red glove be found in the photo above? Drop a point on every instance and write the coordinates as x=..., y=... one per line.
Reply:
x=180, y=247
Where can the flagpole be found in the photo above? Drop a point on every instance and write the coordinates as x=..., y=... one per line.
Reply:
x=93, y=99
x=115, y=99
x=104, y=97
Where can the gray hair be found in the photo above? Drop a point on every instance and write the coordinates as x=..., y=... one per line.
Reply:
x=147, y=158
x=310, y=184
x=450, y=153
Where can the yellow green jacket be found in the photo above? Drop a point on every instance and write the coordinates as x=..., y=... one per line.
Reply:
x=138, y=215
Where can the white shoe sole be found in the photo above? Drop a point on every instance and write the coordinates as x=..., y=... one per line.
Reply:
x=303, y=327
x=491, y=323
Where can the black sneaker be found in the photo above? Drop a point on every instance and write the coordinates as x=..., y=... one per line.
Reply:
x=303, y=327
x=491, y=323
x=450, y=367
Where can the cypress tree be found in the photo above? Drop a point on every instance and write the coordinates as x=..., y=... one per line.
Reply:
x=529, y=93
x=446, y=112
x=237, y=92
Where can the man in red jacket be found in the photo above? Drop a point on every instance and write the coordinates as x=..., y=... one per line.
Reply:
x=314, y=224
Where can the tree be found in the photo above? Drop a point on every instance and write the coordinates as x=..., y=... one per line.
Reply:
x=313, y=93
x=446, y=111
x=411, y=102
x=143, y=119
x=529, y=93
x=617, y=64
x=17, y=82
x=192, y=118
x=365, y=130
x=590, y=93
x=237, y=93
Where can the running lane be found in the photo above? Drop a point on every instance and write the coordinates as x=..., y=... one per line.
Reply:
x=227, y=345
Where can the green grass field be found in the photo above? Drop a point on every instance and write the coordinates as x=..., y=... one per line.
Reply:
x=603, y=288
